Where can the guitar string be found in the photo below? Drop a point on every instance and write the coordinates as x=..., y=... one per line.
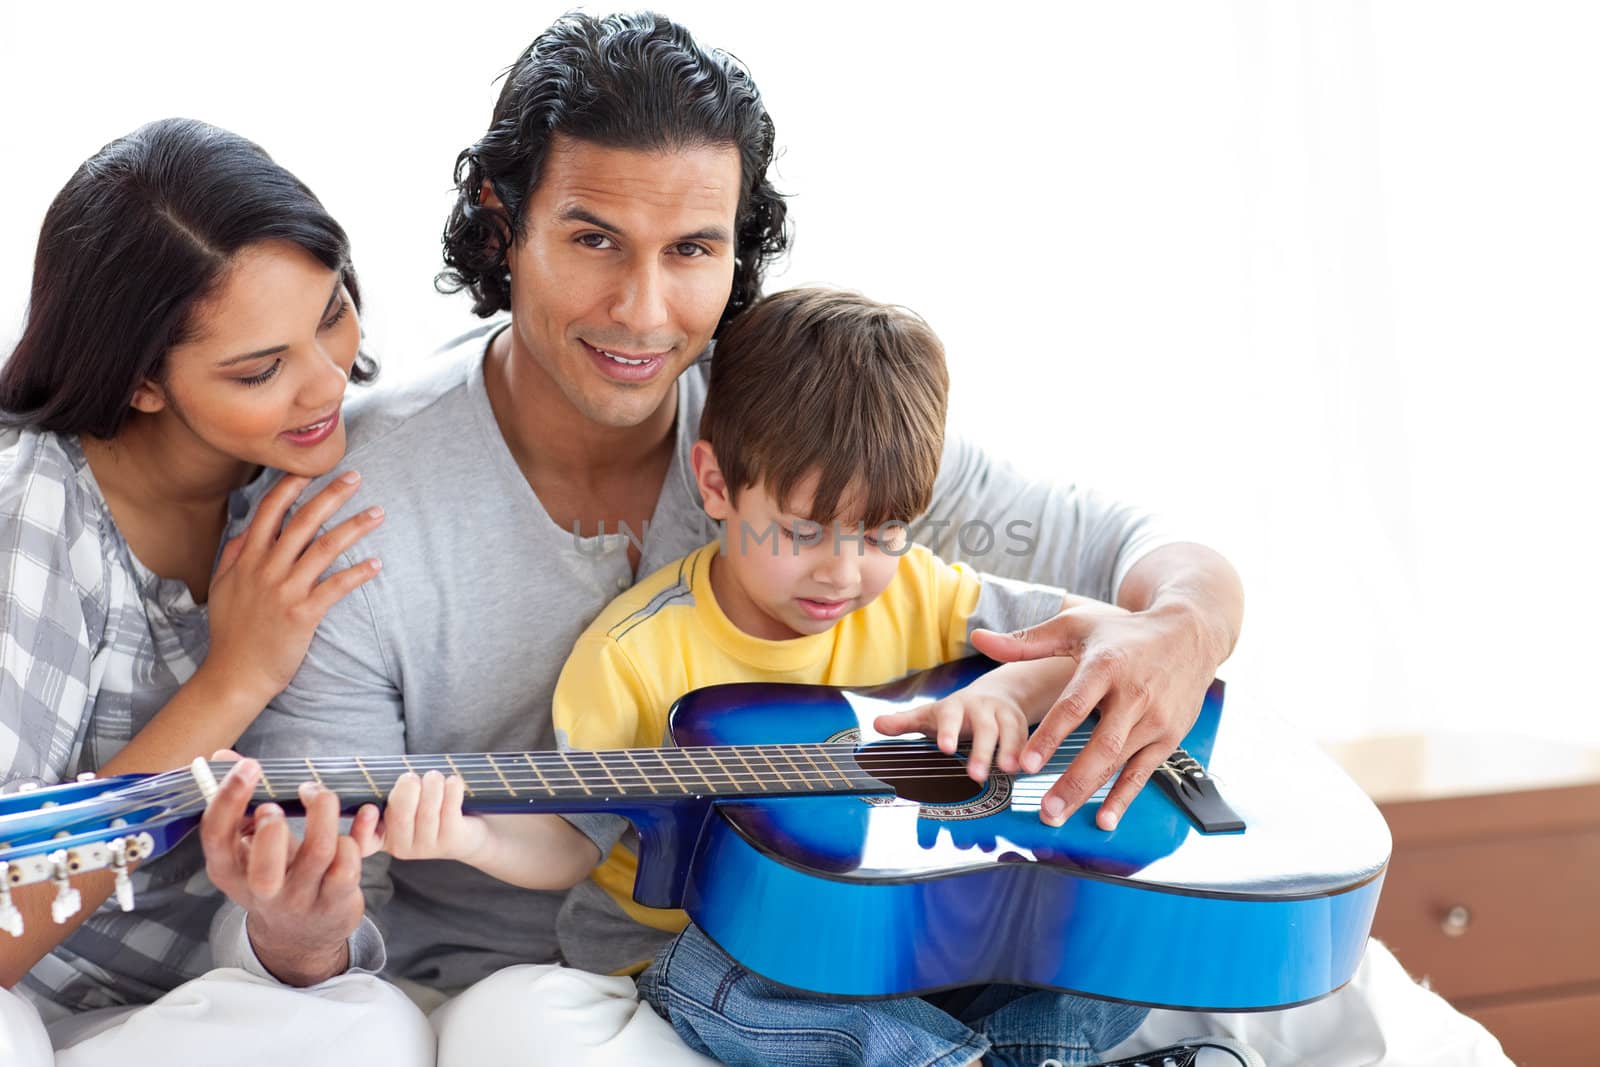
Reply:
x=945, y=767
x=186, y=791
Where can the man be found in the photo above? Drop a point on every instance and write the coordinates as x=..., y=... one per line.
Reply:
x=618, y=207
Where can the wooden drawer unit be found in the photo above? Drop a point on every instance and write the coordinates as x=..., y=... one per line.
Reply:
x=1494, y=900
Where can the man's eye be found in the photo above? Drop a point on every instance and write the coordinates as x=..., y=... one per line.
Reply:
x=594, y=240
x=690, y=250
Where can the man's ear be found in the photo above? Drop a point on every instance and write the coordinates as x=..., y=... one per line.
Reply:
x=708, y=476
x=148, y=397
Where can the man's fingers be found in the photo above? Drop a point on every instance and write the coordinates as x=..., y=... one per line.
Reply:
x=1086, y=690
x=224, y=818
x=1063, y=635
x=343, y=875
x=1087, y=772
x=268, y=857
x=316, y=849
x=1135, y=773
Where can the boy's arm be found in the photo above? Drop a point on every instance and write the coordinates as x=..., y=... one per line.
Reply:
x=423, y=820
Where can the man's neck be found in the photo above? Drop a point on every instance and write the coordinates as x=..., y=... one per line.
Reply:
x=554, y=442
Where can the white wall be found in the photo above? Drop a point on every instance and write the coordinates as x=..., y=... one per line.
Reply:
x=1318, y=278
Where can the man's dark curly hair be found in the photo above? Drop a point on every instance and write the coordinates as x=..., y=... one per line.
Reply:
x=621, y=81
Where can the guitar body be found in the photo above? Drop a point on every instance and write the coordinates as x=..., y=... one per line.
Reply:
x=872, y=896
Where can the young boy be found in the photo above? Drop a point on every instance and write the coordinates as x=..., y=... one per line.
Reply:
x=820, y=442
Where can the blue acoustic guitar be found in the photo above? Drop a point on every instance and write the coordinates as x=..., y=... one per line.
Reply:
x=873, y=868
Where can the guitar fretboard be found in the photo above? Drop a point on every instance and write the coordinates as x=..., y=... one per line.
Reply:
x=666, y=773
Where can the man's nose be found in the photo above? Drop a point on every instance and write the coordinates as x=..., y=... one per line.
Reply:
x=641, y=302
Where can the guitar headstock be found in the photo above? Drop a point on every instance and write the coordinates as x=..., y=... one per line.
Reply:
x=55, y=833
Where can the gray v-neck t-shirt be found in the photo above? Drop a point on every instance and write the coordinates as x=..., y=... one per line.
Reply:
x=456, y=646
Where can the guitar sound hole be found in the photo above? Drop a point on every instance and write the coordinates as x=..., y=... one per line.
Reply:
x=926, y=776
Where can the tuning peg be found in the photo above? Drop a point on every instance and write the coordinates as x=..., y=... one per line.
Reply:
x=86, y=776
x=10, y=917
x=67, y=901
x=119, y=867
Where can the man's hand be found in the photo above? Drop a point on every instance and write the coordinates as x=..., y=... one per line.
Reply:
x=303, y=898
x=1147, y=672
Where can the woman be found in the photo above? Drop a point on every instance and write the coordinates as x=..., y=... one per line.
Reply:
x=192, y=328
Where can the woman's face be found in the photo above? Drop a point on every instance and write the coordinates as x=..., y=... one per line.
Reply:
x=262, y=378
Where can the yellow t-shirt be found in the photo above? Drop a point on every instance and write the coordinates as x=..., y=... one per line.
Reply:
x=667, y=635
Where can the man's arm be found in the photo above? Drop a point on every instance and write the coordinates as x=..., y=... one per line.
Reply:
x=1147, y=671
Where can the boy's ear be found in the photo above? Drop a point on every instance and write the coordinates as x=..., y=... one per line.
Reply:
x=148, y=397
x=708, y=476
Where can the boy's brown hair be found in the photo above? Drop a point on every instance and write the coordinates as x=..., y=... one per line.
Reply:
x=827, y=381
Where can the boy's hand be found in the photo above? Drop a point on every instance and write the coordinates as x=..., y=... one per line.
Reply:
x=422, y=821
x=996, y=724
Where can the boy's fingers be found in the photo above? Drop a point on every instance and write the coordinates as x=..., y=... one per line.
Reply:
x=980, y=751
x=1013, y=734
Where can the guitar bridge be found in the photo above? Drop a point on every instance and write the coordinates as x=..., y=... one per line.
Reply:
x=1195, y=791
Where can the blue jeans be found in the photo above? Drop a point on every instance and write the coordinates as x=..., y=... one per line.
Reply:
x=726, y=1012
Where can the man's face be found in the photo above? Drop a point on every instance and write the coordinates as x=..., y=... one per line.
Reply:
x=623, y=271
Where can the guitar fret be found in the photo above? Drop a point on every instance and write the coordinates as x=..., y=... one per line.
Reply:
x=811, y=760
x=363, y=768
x=799, y=774
x=646, y=777
x=755, y=774
x=689, y=757
x=724, y=769
x=566, y=758
x=503, y=779
x=528, y=759
x=465, y=785
x=670, y=770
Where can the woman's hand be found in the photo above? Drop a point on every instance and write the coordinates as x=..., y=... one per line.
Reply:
x=266, y=600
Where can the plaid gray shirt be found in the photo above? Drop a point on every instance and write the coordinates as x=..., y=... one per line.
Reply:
x=92, y=645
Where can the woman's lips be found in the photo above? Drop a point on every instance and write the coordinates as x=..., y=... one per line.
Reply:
x=314, y=433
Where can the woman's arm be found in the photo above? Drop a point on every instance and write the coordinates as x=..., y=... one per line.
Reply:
x=266, y=601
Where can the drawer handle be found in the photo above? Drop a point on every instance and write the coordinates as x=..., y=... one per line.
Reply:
x=1456, y=921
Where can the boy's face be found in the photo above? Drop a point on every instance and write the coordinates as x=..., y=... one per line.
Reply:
x=783, y=575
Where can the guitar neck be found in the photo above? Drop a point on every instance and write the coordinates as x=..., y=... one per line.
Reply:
x=580, y=779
